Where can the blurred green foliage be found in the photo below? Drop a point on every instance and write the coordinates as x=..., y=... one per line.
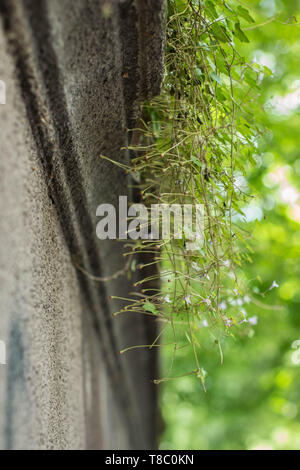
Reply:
x=253, y=399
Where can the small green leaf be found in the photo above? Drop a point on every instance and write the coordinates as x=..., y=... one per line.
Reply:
x=220, y=32
x=149, y=307
x=211, y=63
x=198, y=73
x=216, y=78
x=239, y=33
x=196, y=161
x=245, y=14
x=267, y=71
x=211, y=10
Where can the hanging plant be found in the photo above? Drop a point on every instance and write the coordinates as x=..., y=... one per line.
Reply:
x=199, y=142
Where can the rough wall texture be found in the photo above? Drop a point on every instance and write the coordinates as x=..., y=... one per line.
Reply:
x=75, y=72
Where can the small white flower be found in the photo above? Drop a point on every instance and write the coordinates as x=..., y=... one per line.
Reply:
x=206, y=301
x=167, y=299
x=223, y=305
x=243, y=312
x=227, y=263
x=228, y=322
x=247, y=299
x=236, y=291
x=274, y=284
x=204, y=323
x=239, y=302
x=187, y=299
x=253, y=320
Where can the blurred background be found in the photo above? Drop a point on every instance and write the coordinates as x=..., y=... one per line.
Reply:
x=253, y=399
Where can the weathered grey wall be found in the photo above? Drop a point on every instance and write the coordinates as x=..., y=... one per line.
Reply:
x=75, y=72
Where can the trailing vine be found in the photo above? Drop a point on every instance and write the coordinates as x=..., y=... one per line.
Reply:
x=198, y=143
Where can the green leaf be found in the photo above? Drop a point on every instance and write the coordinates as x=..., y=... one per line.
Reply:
x=216, y=78
x=245, y=14
x=239, y=33
x=211, y=63
x=267, y=71
x=149, y=307
x=196, y=161
x=220, y=32
x=198, y=73
x=210, y=8
x=220, y=96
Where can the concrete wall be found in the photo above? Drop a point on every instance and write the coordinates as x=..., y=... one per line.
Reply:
x=75, y=72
